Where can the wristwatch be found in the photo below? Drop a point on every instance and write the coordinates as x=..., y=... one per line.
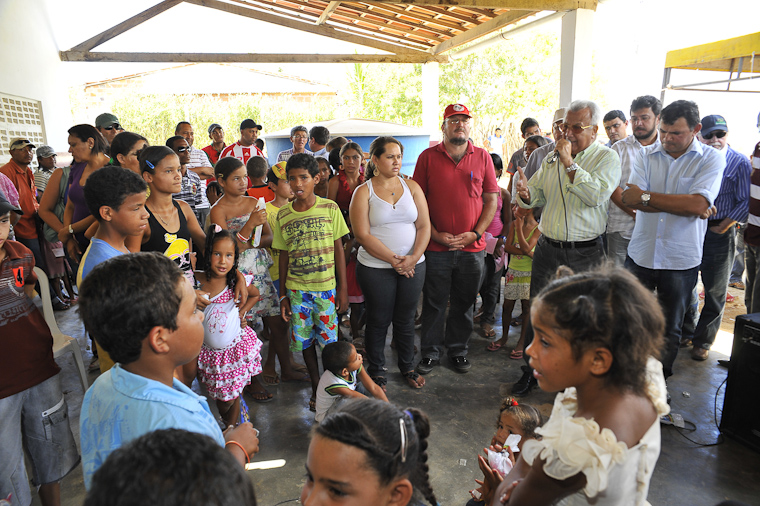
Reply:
x=645, y=198
x=573, y=167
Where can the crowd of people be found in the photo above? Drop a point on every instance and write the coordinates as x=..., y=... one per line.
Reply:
x=184, y=259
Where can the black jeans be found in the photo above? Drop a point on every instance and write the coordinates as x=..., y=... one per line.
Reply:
x=451, y=276
x=490, y=289
x=390, y=298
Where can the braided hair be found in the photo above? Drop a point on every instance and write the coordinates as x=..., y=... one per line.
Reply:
x=211, y=237
x=394, y=441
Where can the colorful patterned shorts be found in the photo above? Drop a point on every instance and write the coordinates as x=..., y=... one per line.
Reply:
x=313, y=318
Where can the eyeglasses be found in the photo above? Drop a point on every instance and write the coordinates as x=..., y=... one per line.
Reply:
x=465, y=121
x=116, y=126
x=577, y=129
x=301, y=137
x=719, y=134
x=183, y=149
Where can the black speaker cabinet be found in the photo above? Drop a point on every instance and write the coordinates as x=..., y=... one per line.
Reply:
x=741, y=407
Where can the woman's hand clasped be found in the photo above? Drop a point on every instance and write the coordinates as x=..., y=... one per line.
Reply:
x=404, y=265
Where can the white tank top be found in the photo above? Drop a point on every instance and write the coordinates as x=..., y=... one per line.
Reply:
x=393, y=225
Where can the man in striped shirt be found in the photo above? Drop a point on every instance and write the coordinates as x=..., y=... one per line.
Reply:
x=672, y=187
x=732, y=205
x=245, y=148
x=752, y=237
x=574, y=187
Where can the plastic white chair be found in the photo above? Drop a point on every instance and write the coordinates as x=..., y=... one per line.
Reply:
x=61, y=343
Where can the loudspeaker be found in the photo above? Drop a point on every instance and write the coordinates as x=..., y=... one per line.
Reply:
x=741, y=407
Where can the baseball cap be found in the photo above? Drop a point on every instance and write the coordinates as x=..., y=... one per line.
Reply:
x=712, y=123
x=559, y=115
x=249, y=123
x=6, y=206
x=19, y=143
x=279, y=170
x=454, y=109
x=106, y=119
x=213, y=127
x=45, y=152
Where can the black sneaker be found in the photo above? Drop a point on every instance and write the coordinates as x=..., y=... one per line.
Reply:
x=461, y=364
x=525, y=384
x=426, y=365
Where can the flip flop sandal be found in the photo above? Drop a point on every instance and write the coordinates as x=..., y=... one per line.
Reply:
x=381, y=382
x=271, y=380
x=488, y=330
x=260, y=397
x=516, y=322
x=313, y=404
x=414, y=379
x=516, y=355
x=494, y=346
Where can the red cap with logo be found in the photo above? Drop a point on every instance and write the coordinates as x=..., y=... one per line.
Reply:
x=454, y=109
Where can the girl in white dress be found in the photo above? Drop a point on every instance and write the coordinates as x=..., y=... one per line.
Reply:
x=596, y=335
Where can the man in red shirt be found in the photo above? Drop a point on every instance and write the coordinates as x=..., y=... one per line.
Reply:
x=245, y=148
x=18, y=171
x=459, y=182
x=214, y=150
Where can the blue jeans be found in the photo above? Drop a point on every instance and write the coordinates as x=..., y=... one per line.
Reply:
x=617, y=248
x=737, y=271
x=717, y=260
x=674, y=293
x=490, y=289
x=390, y=298
x=752, y=290
x=453, y=276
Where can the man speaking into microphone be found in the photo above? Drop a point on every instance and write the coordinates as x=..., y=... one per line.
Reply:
x=574, y=186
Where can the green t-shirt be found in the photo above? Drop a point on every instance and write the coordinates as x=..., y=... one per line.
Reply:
x=522, y=263
x=309, y=238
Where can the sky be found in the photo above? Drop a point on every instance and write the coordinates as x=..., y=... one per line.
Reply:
x=630, y=40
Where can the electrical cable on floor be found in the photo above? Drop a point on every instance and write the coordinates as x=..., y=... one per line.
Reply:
x=720, y=438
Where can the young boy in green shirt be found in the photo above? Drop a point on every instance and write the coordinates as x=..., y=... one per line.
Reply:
x=308, y=233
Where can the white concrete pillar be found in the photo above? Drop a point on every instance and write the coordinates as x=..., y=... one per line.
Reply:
x=430, y=107
x=575, y=62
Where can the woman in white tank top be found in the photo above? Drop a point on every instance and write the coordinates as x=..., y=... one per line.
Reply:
x=389, y=216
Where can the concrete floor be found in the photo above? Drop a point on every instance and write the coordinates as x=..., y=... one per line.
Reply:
x=463, y=411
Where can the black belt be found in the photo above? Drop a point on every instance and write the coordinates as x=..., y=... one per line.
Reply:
x=572, y=244
x=712, y=223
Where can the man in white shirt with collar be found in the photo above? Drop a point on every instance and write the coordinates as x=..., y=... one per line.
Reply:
x=645, y=121
x=673, y=186
x=319, y=136
x=200, y=164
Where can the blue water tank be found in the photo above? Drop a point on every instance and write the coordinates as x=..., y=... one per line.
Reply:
x=361, y=131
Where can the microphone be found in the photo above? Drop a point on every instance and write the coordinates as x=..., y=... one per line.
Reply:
x=553, y=157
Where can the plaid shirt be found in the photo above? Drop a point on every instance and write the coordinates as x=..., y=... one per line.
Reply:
x=192, y=189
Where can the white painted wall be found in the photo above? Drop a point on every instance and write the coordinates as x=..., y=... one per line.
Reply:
x=30, y=67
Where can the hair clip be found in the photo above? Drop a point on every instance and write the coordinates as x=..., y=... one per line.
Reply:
x=514, y=402
x=409, y=414
x=147, y=162
x=402, y=430
x=217, y=228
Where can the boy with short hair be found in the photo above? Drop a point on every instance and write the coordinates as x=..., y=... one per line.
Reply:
x=308, y=232
x=29, y=383
x=115, y=196
x=257, y=172
x=159, y=330
x=340, y=381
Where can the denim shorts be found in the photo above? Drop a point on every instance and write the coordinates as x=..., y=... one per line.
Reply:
x=36, y=419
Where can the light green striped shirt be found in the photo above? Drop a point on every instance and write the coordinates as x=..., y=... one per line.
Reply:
x=575, y=211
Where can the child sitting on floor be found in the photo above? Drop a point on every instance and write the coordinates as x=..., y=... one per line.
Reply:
x=231, y=351
x=597, y=334
x=340, y=381
x=159, y=330
x=517, y=422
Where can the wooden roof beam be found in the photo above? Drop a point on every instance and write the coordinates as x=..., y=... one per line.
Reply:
x=325, y=30
x=397, y=10
x=483, y=29
x=86, y=56
x=125, y=25
x=326, y=13
x=513, y=5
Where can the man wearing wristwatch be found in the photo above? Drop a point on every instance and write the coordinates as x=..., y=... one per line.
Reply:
x=573, y=186
x=459, y=182
x=673, y=186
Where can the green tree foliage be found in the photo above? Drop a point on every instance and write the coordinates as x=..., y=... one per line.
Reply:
x=386, y=92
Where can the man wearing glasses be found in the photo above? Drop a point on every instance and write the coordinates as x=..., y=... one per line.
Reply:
x=108, y=125
x=672, y=187
x=192, y=190
x=573, y=186
x=459, y=182
x=732, y=206
x=299, y=136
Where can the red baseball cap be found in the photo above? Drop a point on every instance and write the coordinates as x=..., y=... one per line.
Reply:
x=454, y=109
